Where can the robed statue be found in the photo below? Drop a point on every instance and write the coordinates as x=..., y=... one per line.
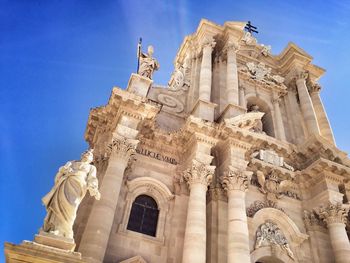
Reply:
x=72, y=182
x=148, y=64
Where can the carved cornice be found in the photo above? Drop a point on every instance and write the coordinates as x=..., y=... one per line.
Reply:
x=235, y=179
x=198, y=173
x=333, y=213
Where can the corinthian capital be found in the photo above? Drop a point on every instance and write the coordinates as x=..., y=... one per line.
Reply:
x=235, y=179
x=333, y=213
x=121, y=147
x=209, y=43
x=199, y=173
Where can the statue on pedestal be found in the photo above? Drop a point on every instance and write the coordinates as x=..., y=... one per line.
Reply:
x=148, y=64
x=71, y=183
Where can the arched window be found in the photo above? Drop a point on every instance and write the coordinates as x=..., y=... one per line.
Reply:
x=144, y=215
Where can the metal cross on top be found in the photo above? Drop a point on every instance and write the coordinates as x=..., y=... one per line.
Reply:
x=250, y=28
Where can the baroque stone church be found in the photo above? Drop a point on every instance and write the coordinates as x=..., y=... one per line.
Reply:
x=233, y=161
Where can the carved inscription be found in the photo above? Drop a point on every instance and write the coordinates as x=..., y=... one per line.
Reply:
x=157, y=156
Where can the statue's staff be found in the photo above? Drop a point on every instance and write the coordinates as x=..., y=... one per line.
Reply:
x=138, y=54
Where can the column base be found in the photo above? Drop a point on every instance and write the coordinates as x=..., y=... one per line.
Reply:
x=31, y=252
x=52, y=240
x=231, y=111
x=204, y=110
x=139, y=85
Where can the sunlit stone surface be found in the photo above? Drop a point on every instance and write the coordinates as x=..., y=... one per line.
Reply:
x=236, y=152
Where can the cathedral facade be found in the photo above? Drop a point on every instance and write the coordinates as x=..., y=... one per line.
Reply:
x=233, y=161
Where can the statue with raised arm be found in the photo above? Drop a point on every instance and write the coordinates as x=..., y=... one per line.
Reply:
x=72, y=182
x=148, y=64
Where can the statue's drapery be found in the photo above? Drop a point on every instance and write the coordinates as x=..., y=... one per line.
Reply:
x=71, y=183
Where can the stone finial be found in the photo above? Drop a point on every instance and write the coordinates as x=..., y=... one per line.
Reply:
x=236, y=179
x=333, y=213
x=266, y=50
x=199, y=173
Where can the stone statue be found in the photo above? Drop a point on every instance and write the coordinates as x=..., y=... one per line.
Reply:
x=71, y=183
x=148, y=64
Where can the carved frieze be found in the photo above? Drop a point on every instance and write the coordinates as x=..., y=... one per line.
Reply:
x=272, y=185
x=269, y=234
x=262, y=73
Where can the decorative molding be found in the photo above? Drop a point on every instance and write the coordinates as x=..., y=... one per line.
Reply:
x=258, y=205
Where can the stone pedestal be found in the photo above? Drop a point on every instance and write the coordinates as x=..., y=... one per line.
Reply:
x=231, y=111
x=139, y=85
x=52, y=240
x=204, y=110
x=31, y=252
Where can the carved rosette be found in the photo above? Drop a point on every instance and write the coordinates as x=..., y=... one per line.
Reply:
x=199, y=173
x=235, y=179
x=333, y=213
x=122, y=147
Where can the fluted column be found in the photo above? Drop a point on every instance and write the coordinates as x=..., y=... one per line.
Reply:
x=335, y=216
x=242, y=101
x=95, y=238
x=278, y=117
x=235, y=182
x=307, y=107
x=198, y=177
x=323, y=122
x=231, y=76
x=206, y=71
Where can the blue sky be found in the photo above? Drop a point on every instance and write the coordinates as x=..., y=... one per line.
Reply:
x=58, y=59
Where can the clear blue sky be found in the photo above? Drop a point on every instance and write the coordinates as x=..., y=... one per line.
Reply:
x=58, y=59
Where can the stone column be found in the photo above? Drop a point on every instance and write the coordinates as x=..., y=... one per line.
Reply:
x=335, y=216
x=235, y=182
x=325, y=127
x=231, y=76
x=95, y=238
x=278, y=118
x=198, y=178
x=242, y=101
x=307, y=107
x=205, y=73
